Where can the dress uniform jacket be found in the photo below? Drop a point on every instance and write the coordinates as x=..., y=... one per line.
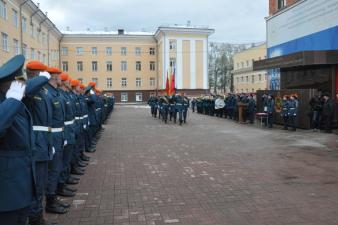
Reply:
x=69, y=118
x=16, y=165
x=58, y=117
x=41, y=109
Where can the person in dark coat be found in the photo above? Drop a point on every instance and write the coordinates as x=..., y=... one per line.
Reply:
x=16, y=141
x=316, y=112
x=327, y=113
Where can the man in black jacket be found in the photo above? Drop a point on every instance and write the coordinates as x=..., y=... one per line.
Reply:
x=327, y=112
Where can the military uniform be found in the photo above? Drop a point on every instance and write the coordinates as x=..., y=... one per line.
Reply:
x=16, y=141
x=56, y=164
x=285, y=111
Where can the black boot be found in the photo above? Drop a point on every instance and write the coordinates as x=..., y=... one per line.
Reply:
x=71, y=180
x=53, y=206
x=91, y=149
x=77, y=171
x=85, y=158
x=70, y=188
x=39, y=220
x=82, y=164
x=62, y=191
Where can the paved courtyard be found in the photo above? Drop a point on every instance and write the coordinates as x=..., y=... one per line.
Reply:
x=209, y=171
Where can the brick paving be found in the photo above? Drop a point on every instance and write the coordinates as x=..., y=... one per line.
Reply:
x=210, y=171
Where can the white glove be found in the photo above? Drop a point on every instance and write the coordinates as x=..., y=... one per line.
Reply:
x=65, y=143
x=16, y=90
x=92, y=92
x=45, y=74
x=53, y=150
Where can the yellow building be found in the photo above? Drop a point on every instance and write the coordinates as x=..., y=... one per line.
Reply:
x=245, y=80
x=132, y=65
x=25, y=29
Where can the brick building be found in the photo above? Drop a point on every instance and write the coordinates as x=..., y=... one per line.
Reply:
x=277, y=5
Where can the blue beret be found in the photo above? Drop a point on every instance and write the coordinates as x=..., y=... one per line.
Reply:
x=12, y=68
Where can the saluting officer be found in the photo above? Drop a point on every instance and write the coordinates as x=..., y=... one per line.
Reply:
x=40, y=108
x=16, y=142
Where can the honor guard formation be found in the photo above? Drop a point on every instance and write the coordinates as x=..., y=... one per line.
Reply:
x=48, y=122
x=169, y=106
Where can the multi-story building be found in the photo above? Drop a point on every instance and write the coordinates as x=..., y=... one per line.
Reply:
x=132, y=65
x=277, y=5
x=25, y=29
x=245, y=79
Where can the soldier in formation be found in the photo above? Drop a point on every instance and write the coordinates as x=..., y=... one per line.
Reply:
x=46, y=118
x=170, y=106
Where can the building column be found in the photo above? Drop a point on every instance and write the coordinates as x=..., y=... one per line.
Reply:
x=179, y=64
x=192, y=64
x=205, y=64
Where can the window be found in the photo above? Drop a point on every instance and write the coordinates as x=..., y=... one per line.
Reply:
x=109, y=51
x=281, y=4
x=242, y=64
x=94, y=50
x=138, y=97
x=124, y=97
x=64, y=51
x=253, y=79
x=15, y=47
x=44, y=58
x=109, y=82
x=138, y=51
x=24, y=24
x=15, y=17
x=81, y=80
x=260, y=77
x=123, y=82
x=172, y=45
x=44, y=38
x=242, y=79
x=237, y=65
x=32, y=30
x=253, y=90
x=237, y=79
x=79, y=66
x=94, y=79
x=172, y=63
x=247, y=79
x=152, y=81
x=124, y=66
x=123, y=51
x=3, y=10
x=4, y=41
x=24, y=51
x=79, y=50
x=94, y=66
x=32, y=53
x=38, y=34
x=151, y=51
x=152, y=66
x=65, y=66
x=247, y=63
x=39, y=55
x=138, y=65
x=138, y=82
x=109, y=65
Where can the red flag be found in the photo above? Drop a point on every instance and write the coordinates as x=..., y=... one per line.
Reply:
x=167, y=88
x=172, y=87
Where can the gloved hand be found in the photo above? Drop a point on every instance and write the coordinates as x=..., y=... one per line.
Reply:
x=45, y=74
x=65, y=143
x=53, y=149
x=92, y=92
x=16, y=90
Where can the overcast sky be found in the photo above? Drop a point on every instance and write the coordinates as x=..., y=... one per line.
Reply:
x=234, y=21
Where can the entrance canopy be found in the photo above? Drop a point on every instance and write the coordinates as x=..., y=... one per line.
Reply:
x=299, y=59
